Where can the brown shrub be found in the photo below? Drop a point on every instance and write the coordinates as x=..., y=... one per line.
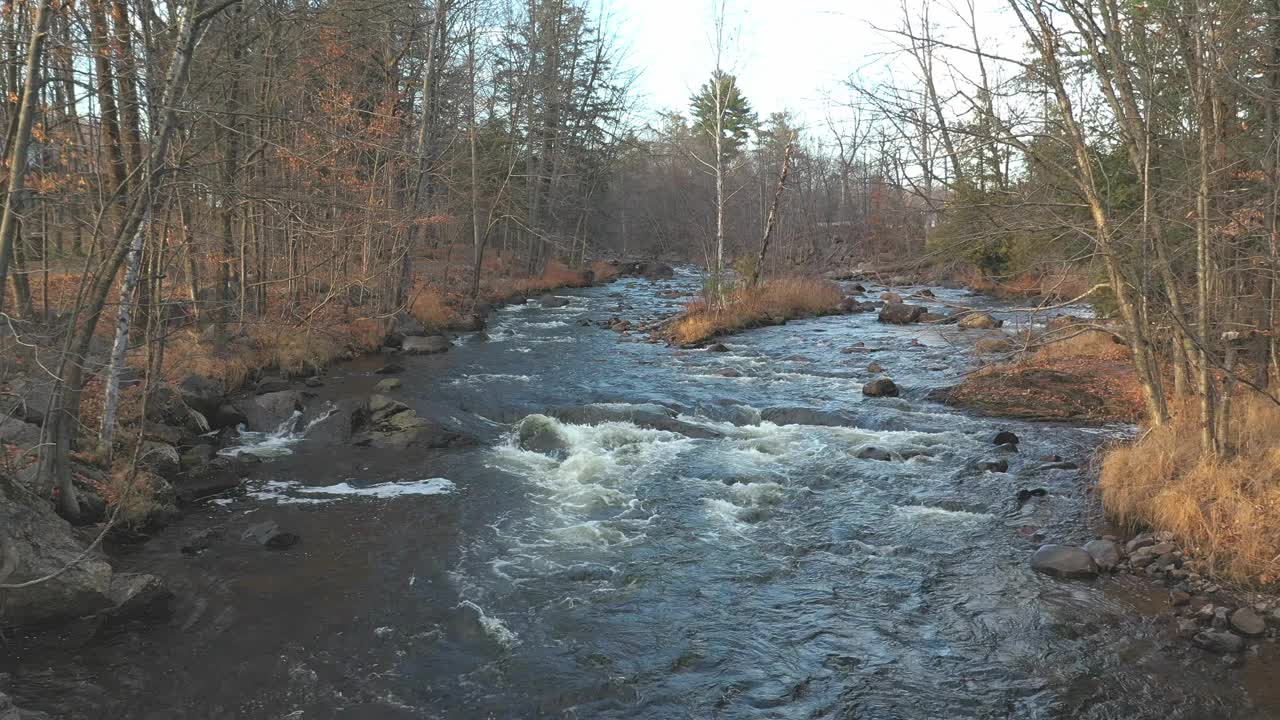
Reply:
x=429, y=306
x=1224, y=510
x=1082, y=344
x=785, y=298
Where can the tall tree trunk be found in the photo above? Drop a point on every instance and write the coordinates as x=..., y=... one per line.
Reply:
x=22, y=140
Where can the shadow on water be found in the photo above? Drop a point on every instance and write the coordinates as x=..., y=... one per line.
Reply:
x=668, y=554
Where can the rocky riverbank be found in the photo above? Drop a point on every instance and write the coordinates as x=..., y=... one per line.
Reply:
x=184, y=444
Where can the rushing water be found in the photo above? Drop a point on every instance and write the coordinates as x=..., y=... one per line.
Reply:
x=712, y=565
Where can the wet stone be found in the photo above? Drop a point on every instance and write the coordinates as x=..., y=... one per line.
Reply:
x=1104, y=552
x=1247, y=621
x=1218, y=642
x=1064, y=561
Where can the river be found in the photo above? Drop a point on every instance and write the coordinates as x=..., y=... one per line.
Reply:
x=731, y=567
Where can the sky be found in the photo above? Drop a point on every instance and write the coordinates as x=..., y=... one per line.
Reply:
x=787, y=54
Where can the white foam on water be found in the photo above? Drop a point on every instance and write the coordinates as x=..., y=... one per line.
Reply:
x=278, y=442
x=289, y=492
x=547, y=324
x=489, y=377
x=493, y=627
x=926, y=512
x=756, y=494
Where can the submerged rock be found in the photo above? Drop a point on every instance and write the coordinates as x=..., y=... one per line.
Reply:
x=1218, y=641
x=651, y=416
x=269, y=535
x=1064, y=561
x=874, y=453
x=551, y=301
x=880, y=387
x=387, y=385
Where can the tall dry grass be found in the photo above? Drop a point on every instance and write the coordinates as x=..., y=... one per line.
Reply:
x=1225, y=509
x=556, y=275
x=785, y=298
x=1093, y=344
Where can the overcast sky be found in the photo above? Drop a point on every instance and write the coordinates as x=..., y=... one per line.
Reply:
x=788, y=54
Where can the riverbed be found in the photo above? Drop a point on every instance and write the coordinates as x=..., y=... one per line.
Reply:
x=740, y=561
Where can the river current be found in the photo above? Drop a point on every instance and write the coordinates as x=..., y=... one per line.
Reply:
x=736, y=560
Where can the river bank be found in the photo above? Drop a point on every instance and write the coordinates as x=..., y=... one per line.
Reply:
x=701, y=533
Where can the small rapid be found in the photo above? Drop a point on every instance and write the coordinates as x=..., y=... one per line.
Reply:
x=650, y=532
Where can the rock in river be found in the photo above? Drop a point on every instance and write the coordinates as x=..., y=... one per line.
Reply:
x=1064, y=561
x=387, y=385
x=880, y=387
x=1219, y=642
x=874, y=453
x=269, y=535
x=1004, y=437
x=900, y=314
x=979, y=321
x=1106, y=553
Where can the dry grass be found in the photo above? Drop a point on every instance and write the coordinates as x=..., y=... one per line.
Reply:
x=604, y=272
x=555, y=276
x=1063, y=283
x=1082, y=344
x=1226, y=510
x=785, y=298
x=431, y=308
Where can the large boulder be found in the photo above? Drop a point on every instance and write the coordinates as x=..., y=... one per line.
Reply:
x=901, y=314
x=979, y=321
x=27, y=400
x=35, y=542
x=227, y=416
x=541, y=434
x=428, y=345
x=1064, y=561
x=165, y=406
x=654, y=270
x=880, y=387
x=202, y=393
x=207, y=480
x=268, y=412
x=15, y=431
x=390, y=424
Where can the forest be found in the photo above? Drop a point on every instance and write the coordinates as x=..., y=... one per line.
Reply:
x=222, y=187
